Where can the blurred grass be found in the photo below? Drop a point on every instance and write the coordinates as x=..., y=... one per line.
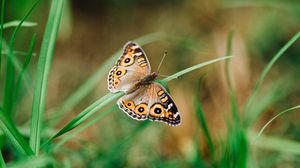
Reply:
x=273, y=118
x=279, y=144
x=39, y=161
x=249, y=103
x=14, y=136
x=2, y=163
x=1, y=31
x=43, y=68
x=10, y=70
x=83, y=127
x=204, y=127
x=22, y=73
x=7, y=50
x=15, y=23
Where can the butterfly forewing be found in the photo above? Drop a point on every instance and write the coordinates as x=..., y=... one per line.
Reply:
x=131, y=67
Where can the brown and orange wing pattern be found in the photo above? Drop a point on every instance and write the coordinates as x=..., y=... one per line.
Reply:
x=135, y=104
x=150, y=102
x=132, y=66
x=161, y=106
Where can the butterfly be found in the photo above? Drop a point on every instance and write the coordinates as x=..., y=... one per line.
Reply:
x=144, y=98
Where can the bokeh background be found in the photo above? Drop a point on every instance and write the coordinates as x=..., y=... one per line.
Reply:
x=191, y=31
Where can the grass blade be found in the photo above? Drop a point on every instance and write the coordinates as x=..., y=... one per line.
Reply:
x=85, y=114
x=227, y=62
x=266, y=71
x=277, y=143
x=40, y=161
x=15, y=23
x=276, y=116
x=276, y=92
x=192, y=68
x=16, y=62
x=116, y=153
x=92, y=82
x=10, y=70
x=13, y=135
x=43, y=69
x=24, y=68
x=2, y=163
x=204, y=128
x=85, y=126
x=1, y=30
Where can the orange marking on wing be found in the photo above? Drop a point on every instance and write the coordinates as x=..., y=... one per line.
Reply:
x=129, y=104
x=164, y=99
x=161, y=92
x=157, y=110
x=127, y=61
x=141, y=59
x=142, y=65
x=119, y=73
x=141, y=109
x=116, y=82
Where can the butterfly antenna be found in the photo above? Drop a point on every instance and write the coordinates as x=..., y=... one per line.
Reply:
x=159, y=65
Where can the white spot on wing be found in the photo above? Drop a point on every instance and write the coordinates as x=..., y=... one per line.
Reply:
x=139, y=54
x=170, y=106
x=135, y=47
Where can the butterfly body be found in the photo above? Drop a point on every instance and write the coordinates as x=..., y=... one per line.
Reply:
x=148, y=79
x=144, y=98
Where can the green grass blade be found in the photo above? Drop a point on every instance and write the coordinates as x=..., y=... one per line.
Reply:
x=1, y=30
x=236, y=144
x=227, y=62
x=231, y=94
x=40, y=161
x=14, y=135
x=84, y=115
x=10, y=70
x=43, y=69
x=82, y=128
x=117, y=151
x=192, y=68
x=17, y=64
x=2, y=163
x=93, y=81
x=20, y=53
x=266, y=71
x=276, y=92
x=204, y=127
x=277, y=144
x=15, y=23
x=272, y=119
x=24, y=68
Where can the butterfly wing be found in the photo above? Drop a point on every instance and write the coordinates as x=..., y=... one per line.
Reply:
x=151, y=102
x=135, y=104
x=132, y=66
x=161, y=106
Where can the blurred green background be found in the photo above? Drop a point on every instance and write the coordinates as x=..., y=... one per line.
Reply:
x=191, y=31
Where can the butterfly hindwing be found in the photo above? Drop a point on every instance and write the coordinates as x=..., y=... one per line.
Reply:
x=162, y=107
x=132, y=66
x=135, y=104
x=150, y=102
